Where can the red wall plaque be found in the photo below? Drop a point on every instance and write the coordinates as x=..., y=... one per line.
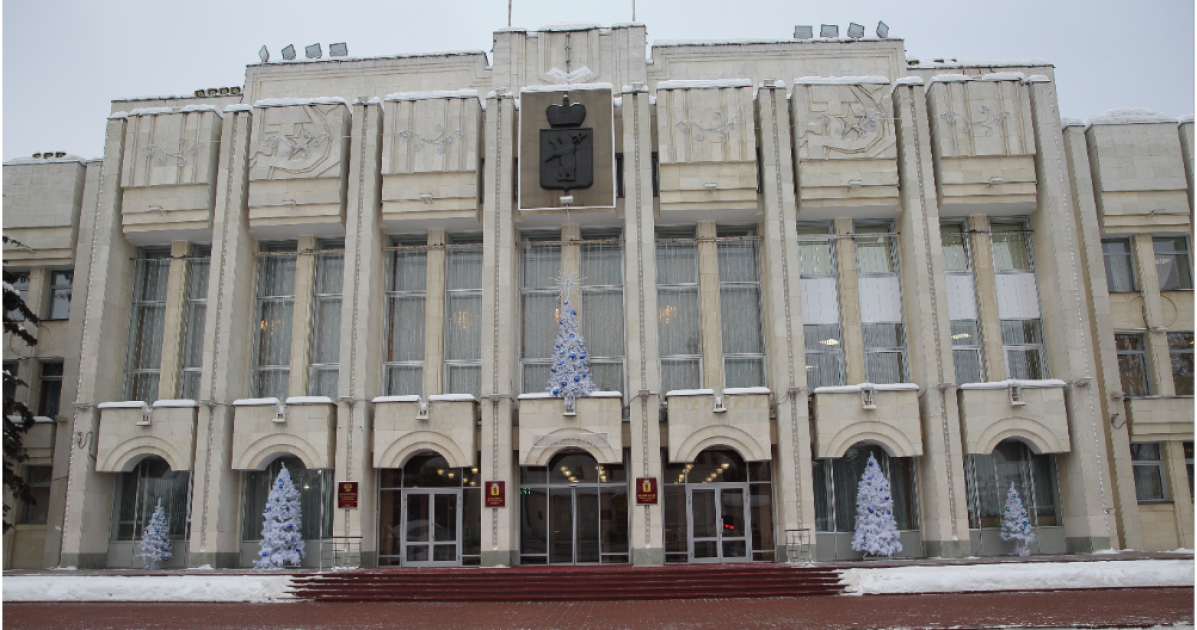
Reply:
x=646, y=491
x=346, y=494
x=496, y=494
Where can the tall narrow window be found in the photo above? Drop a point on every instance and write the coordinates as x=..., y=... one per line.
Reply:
x=143, y=360
x=60, y=295
x=679, y=328
x=21, y=284
x=540, y=306
x=883, y=333
x=820, y=306
x=38, y=478
x=1120, y=268
x=51, y=390
x=1180, y=349
x=276, y=305
x=740, y=307
x=1132, y=364
x=602, y=307
x=196, y=312
x=1011, y=246
x=962, y=303
x=1018, y=299
x=326, y=319
x=463, y=310
x=1172, y=263
x=407, y=275
x=1148, y=466
x=1022, y=341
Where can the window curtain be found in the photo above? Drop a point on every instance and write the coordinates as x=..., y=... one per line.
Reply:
x=540, y=309
x=326, y=324
x=136, y=495
x=1120, y=273
x=193, y=328
x=1011, y=246
x=406, y=300
x=463, y=332
x=144, y=360
x=602, y=313
x=679, y=323
x=824, y=355
x=1023, y=342
x=740, y=314
x=276, y=305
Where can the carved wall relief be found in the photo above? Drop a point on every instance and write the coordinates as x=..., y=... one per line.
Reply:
x=843, y=121
x=430, y=154
x=298, y=141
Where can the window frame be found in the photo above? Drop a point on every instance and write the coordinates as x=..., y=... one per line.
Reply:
x=21, y=284
x=257, y=369
x=1184, y=273
x=836, y=350
x=463, y=242
x=894, y=272
x=400, y=248
x=145, y=257
x=678, y=234
x=59, y=288
x=1155, y=464
x=45, y=380
x=604, y=238
x=192, y=325
x=531, y=240
x=1173, y=353
x=1129, y=255
x=326, y=250
x=40, y=490
x=1141, y=353
x=732, y=234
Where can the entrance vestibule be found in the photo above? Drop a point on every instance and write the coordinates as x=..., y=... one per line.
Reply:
x=718, y=509
x=575, y=511
x=429, y=515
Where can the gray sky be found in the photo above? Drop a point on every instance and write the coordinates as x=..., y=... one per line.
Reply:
x=64, y=61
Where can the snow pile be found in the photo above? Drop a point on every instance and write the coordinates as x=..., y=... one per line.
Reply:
x=1185, y=119
x=147, y=588
x=1129, y=116
x=1022, y=576
x=1069, y=121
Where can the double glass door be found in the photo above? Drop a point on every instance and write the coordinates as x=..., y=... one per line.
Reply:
x=431, y=528
x=718, y=522
x=574, y=525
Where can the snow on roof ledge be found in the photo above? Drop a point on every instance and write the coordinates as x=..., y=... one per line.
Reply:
x=151, y=111
x=123, y=404
x=285, y=102
x=871, y=80
x=877, y=387
x=1185, y=119
x=70, y=157
x=309, y=400
x=744, y=391
x=1069, y=121
x=690, y=392
x=452, y=398
x=566, y=87
x=1003, y=76
x=256, y=402
x=420, y=96
x=1013, y=382
x=950, y=78
x=238, y=107
x=1128, y=116
x=201, y=108
x=715, y=83
x=1038, y=78
x=569, y=26
x=669, y=43
x=390, y=399
x=545, y=395
x=178, y=403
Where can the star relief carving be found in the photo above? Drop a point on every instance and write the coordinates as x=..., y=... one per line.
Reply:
x=304, y=141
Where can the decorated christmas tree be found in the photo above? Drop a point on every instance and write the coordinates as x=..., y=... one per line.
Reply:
x=1015, y=524
x=569, y=375
x=282, y=542
x=155, y=540
x=876, y=530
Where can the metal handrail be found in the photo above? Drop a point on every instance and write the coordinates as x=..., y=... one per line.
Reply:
x=798, y=545
x=340, y=552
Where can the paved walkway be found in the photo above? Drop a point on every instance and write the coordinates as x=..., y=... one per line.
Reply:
x=1055, y=609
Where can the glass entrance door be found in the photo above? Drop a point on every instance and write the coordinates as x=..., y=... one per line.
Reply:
x=574, y=520
x=431, y=528
x=718, y=522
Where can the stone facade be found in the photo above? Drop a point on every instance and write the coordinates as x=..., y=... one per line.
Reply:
x=736, y=142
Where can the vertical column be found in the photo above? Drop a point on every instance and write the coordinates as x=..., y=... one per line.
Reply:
x=63, y=436
x=363, y=310
x=172, y=334
x=499, y=309
x=1143, y=248
x=1178, y=483
x=1126, y=507
x=434, y=314
x=708, y=303
x=640, y=324
x=109, y=269
x=987, y=309
x=571, y=259
x=301, y=319
x=1084, y=472
x=793, y=488
x=228, y=331
x=845, y=257
x=944, y=511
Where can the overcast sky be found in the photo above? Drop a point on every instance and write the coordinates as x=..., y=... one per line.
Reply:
x=64, y=61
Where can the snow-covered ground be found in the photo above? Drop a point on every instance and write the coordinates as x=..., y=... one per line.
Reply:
x=146, y=588
x=1029, y=576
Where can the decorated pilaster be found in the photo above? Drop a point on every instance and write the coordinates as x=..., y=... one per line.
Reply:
x=640, y=324
x=108, y=267
x=793, y=488
x=944, y=513
x=499, y=311
x=216, y=488
x=172, y=335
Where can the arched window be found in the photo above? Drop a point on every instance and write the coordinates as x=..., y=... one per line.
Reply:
x=989, y=478
x=315, y=498
x=575, y=511
x=137, y=492
x=837, y=479
x=720, y=492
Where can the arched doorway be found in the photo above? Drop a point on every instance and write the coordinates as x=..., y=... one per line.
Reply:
x=315, y=488
x=836, y=481
x=135, y=496
x=429, y=515
x=718, y=509
x=574, y=511
x=988, y=478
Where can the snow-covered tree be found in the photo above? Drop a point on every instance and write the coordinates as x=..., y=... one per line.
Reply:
x=18, y=418
x=1015, y=524
x=282, y=540
x=155, y=540
x=569, y=375
x=876, y=529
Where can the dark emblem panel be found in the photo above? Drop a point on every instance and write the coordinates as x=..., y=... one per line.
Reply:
x=566, y=150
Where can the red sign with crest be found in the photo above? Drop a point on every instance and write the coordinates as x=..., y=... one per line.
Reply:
x=646, y=491
x=496, y=494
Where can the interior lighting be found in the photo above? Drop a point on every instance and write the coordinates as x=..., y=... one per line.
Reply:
x=313, y=51
x=264, y=54
x=961, y=336
x=855, y=31
x=829, y=30
x=804, y=32
x=830, y=342
x=882, y=30
x=440, y=471
x=289, y=53
x=725, y=465
x=474, y=470
x=338, y=50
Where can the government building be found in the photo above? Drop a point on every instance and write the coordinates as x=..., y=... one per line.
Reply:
x=791, y=255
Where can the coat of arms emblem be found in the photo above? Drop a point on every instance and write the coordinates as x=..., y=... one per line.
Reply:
x=567, y=149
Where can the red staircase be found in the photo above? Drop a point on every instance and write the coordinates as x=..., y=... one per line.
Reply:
x=569, y=583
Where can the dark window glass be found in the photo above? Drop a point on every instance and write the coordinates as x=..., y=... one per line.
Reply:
x=51, y=390
x=1132, y=364
x=1180, y=347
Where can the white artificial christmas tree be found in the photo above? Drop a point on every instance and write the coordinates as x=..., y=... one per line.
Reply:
x=876, y=530
x=1015, y=524
x=282, y=541
x=155, y=540
x=569, y=375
